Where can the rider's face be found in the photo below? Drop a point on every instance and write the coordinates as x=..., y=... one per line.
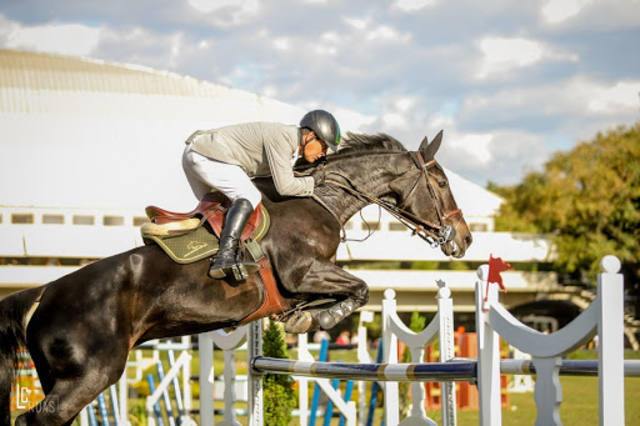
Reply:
x=314, y=148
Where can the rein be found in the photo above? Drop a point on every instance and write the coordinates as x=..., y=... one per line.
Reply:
x=433, y=233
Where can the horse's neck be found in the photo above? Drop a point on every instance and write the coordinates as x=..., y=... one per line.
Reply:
x=371, y=176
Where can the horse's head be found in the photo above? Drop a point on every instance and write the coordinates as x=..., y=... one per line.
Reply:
x=424, y=199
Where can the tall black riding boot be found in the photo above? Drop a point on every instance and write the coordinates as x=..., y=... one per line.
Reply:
x=228, y=261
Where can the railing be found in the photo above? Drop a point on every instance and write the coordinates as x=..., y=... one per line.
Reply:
x=603, y=318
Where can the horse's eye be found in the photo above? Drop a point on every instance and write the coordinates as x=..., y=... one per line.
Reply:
x=442, y=183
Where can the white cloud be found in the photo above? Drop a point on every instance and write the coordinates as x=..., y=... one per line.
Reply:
x=474, y=145
x=500, y=155
x=394, y=120
x=502, y=55
x=580, y=96
x=587, y=97
x=405, y=103
x=281, y=43
x=357, y=23
x=399, y=114
x=66, y=39
x=331, y=37
x=558, y=11
x=624, y=96
x=440, y=121
x=226, y=13
x=376, y=32
x=412, y=5
x=270, y=91
x=327, y=50
x=387, y=33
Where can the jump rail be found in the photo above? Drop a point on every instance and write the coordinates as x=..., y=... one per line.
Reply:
x=457, y=370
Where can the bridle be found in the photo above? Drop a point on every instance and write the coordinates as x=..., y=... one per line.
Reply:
x=435, y=234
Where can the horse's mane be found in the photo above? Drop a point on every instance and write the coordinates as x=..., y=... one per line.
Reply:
x=354, y=144
x=360, y=142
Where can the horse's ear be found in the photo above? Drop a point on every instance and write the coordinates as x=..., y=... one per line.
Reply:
x=424, y=144
x=429, y=151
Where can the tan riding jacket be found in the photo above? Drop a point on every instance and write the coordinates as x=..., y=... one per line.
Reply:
x=260, y=149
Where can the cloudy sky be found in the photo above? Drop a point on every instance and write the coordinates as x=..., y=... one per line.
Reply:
x=510, y=82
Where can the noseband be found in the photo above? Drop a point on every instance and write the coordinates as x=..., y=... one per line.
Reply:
x=435, y=234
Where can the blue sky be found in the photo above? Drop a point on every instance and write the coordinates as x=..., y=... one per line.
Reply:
x=510, y=82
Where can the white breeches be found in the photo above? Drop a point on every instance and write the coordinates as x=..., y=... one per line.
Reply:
x=205, y=175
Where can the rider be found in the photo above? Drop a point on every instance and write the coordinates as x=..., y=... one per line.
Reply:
x=225, y=159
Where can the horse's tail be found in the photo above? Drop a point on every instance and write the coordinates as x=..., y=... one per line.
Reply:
x=13, y=313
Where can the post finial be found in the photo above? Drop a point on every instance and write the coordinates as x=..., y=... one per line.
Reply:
x=483, y=272
x=610, y=264
x=389, y=294
x=444, y=292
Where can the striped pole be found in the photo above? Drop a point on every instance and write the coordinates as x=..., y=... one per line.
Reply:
x=457, y=370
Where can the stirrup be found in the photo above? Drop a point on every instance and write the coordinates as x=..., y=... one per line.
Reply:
x=240, y=271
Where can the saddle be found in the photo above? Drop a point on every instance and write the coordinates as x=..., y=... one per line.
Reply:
x=193, y=236
x=211, y=209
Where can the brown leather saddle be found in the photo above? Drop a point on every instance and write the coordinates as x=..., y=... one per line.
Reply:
x=211, y=210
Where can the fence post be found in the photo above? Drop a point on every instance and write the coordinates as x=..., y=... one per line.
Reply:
x=611, y=342
x=123, y=395
x=488, y=353
x=363, y=356
x=186, y=381
x=390, y=356
x=303, y=384
x=255, y=397
x=205, y=345
x=447, y=352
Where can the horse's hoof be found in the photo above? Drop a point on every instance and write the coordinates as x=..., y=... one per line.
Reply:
x=300, y=322
x=326, y=320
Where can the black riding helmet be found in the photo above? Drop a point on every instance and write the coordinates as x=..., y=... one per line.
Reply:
x=324, y=126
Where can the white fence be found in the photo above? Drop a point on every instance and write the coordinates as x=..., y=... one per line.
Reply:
x=603, y=318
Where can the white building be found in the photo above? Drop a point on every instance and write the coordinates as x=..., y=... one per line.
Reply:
x=86, y=145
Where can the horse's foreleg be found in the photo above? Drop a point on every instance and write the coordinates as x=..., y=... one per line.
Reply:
x=326, y=278
x=67, y=398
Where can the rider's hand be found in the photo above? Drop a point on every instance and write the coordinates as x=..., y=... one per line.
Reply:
x=318, y=179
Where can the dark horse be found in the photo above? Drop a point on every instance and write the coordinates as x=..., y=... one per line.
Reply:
x=81, y=332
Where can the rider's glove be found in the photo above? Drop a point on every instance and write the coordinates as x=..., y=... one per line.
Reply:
x=318, y=179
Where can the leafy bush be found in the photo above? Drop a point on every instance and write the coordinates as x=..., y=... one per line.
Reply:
x=279, y=398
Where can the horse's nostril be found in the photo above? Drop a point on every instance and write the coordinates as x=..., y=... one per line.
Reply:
x=468, y=239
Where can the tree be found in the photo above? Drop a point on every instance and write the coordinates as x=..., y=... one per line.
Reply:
x=279, y=398
x=588, y=199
